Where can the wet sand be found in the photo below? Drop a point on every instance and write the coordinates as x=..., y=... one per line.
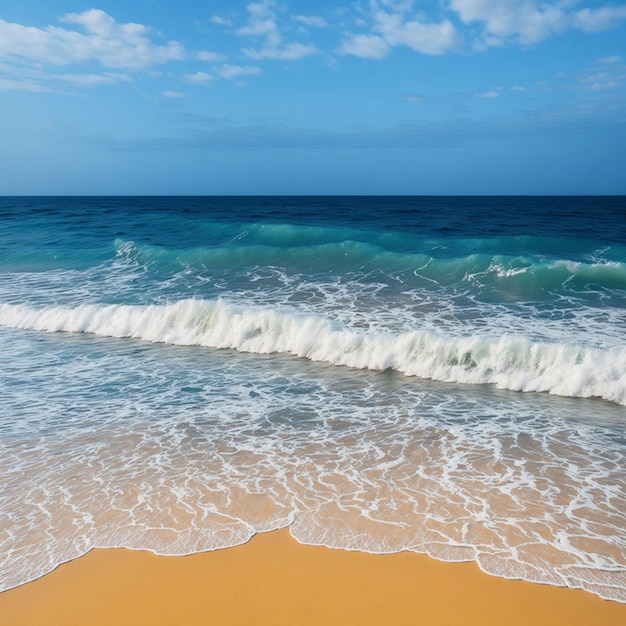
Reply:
x=274, y=580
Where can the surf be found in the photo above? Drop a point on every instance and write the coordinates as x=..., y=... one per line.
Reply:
x=511, y=362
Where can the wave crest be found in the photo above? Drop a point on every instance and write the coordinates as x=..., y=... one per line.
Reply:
x=509, y=362
x=528, y=273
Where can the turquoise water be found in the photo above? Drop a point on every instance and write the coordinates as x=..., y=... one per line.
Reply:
x=442, y=375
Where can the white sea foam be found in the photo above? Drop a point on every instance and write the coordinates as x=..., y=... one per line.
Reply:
x=509, y=362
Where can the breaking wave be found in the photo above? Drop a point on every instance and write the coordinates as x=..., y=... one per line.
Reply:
x=510, y=361
x=454, y=264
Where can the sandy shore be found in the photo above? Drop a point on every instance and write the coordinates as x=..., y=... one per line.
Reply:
x=274, y=580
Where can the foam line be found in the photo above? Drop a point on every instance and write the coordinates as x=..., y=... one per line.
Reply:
x=509, y=362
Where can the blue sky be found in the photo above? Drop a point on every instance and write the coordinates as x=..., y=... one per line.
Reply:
x=326, y=97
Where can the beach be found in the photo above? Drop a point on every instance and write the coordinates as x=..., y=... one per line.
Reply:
x=275, y=580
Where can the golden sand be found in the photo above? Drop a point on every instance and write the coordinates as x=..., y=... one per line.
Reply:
x=274, y=580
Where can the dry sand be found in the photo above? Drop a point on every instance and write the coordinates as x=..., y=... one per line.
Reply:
x=274, y=580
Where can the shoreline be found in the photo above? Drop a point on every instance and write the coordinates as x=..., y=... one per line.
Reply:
x=273, y=579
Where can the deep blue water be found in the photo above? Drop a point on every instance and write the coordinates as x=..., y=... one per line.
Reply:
x=446, y=375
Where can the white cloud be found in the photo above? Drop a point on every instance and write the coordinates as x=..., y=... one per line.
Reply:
x=414, y=97
x=233, y=71
x=489, y=95
x=602, y=80
x=211, y=57
x=602, y=18
x=287, y=52
x=396, y=24
x=610, y=60
x=104, y=41
x=399, y=6
x=175, y=95
x=7, y=84
x=527, y=20
x=428, y=38
x=311, y=20
x=365, y=46
x=604, y=75
x=533, y=21
x=602, y=86
x=261, y=28
x=91, y=80
x=262, y=22
x=225, y=71
x=221, y=21
x=199, y=78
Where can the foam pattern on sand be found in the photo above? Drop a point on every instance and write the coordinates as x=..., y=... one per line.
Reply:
x=180, y=449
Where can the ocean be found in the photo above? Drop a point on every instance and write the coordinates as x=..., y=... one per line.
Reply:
x=444, y=375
